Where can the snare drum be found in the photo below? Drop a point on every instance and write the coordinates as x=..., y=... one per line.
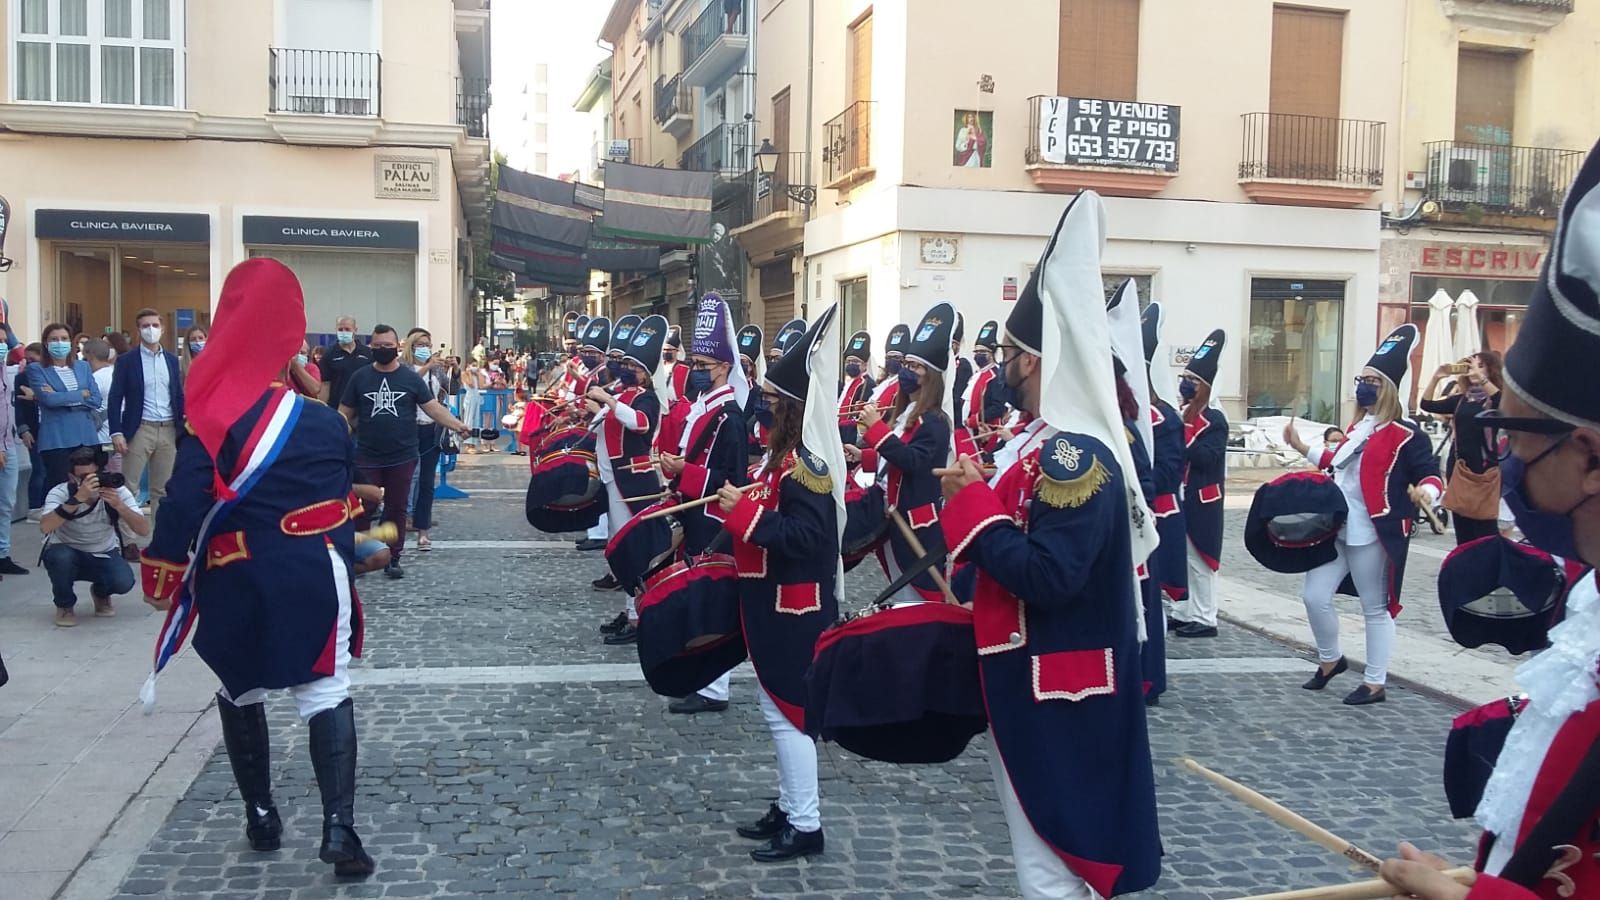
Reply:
x=641, y=545
x=564, y=492
x=689, y=626
x=866, y=523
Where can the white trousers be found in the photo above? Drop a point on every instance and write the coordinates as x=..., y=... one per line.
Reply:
x=1366, y=566
x=718, y=690
x=797, y=768
x=616, y=516
x=1201, y=604
x=602, y=529
x=472, y=413
x=327, y=692
x=1040, y=872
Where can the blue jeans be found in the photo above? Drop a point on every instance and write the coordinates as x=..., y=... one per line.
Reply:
x=8, y=495
x=108, y=574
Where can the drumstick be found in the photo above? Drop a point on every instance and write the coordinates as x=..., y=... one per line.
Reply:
x=383, y=533
x=1427, y=508
x=917, y=548
x=985, y=470
x=644, y=497
x=1376, y=889
x=1284, y=816
x=694, y=504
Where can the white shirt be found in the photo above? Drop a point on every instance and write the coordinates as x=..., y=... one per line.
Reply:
x=630, y=419
x=92, y=532
x=1358, y=528
x=102, y=380
x=706, y=402
x=157, y=385
x=1025, y=441
x=69, y=379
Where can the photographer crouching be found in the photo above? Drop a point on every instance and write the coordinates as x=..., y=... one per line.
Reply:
x=81, y=539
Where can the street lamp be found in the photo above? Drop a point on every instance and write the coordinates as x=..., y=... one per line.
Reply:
x=767, y=157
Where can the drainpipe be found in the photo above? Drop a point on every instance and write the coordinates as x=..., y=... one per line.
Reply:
x=1400, y=120
x=811, y=52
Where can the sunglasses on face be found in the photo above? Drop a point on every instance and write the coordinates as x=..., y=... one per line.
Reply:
x=1373, y=380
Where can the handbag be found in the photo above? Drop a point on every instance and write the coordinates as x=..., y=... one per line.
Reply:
x=1475, y=495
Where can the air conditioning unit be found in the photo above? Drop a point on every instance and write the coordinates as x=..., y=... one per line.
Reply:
x=1471, y=173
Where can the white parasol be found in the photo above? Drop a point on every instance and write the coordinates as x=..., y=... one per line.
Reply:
x=1468, y=339
x=1438, y=345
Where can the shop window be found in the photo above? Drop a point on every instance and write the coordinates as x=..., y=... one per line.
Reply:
x=372, y=286
x=123, y=52
x=1110, y=281
x=100, y=289
x=1292, y=351
x=852, y=307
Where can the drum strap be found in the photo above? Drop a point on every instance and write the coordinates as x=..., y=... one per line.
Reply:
x=707, y=432
x=910, y=574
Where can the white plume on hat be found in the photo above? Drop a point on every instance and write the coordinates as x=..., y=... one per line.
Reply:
x=1127, y=344
x=819, y=434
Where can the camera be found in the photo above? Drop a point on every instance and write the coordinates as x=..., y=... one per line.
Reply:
x=112, y=480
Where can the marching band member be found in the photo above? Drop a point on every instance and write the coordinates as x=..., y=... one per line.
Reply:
x=984, y=402
x=962, y=375
x=238, y=495
x=1053, y=537
x=625, y=424
x=675, y=374
x=1541, y=837
x=1205, y=468
x=756, y=415
x=894, y=355
x=669, y=436
x=1386, y=469
x=918, y=442
x=593, y=349
x=714, y=451
x=1169, y=565
x=791, y=331
x=856, y=388
x=786, y=544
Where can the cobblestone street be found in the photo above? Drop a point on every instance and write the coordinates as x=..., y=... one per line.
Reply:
x=506, y=752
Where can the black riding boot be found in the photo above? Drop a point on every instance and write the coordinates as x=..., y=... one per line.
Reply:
x=333, y=756
x=244, y=733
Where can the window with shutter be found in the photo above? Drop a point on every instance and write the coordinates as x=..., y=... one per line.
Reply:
x=1099, y=49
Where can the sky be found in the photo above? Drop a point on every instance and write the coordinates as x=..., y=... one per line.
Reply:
x=563, y=35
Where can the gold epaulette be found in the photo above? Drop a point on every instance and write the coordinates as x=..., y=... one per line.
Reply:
x=812, y=473
x=1063, y=481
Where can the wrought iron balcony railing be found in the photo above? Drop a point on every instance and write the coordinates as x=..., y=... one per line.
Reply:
x=1312, y=148
x=472, y=106
x=325, y=82
x=849, y=141
x=713, y=23
x=1501, y=180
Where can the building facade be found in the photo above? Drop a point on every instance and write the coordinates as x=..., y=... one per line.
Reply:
x=153, y=144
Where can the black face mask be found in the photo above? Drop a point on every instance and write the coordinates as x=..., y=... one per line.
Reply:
x=1010, y=391
x=385, y=355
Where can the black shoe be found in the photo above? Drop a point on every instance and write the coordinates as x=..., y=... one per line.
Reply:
x=1365, y=694
x=1174, y=624
x=1196, y=630
x=608, y=583
x=244, y=733
x=1152, y=699
x=694, y=703
x=1319, y=681
x=393, y=570
x=789, y=844
x=768, y=826
x=333, y=757
x=591, y=544
x=7, y=567
x=615, y=625
x=627, y=634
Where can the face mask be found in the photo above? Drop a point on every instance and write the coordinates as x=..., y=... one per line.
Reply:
x=698, y=383
x=385, y=355
x=151, y=335
x=1366, y=395
x=302, y=359
x=59, y=349
x=909, y=382
x=628, y=377
x=980, y=358
x=422, y=354
x=892, y=366
x=346, y=338
x=763, y=414
x=196, y=346
x=668, y=359
x=614, y=366
x=1009, y=394
x=1186, y=390
x=590, y=360
x=1550, y=532
x=852, y=369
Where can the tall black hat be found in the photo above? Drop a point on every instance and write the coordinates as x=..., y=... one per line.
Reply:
x=789, y=333
x=597, y=336
x=1025, y=325
x=623, y=333
x=988, y=336
x=580, y=327
x=899, y=339
x=1150, y=323
x=675, y=338
x=1393, y=356
x=569, y=326
x=1562, y=324
x=859, y=346
x=1203, y=365
x=788, y=375
x=958, y=333
x=750, y=342
x=643, y=345
x=930, y=341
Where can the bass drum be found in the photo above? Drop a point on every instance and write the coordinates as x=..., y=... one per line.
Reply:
x=689, y=627
x=866, y=523
x=898, y=685
x=642, y=545
x=564, y=492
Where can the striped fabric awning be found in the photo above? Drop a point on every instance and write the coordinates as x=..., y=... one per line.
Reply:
x=648, y=203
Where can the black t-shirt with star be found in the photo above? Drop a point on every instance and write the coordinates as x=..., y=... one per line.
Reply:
x=386, y=414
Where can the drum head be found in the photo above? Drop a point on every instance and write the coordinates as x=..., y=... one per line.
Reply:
x=1302, y=529
x=689, y=627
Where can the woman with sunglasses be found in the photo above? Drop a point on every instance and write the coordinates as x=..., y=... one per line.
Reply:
x=1205, y=468
x=1473, y=495
x=1386, y=468
x=786, y=535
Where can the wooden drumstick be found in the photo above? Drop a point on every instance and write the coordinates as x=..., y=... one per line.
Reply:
x=1284, y=816
x=1376, y=889
x=1420, y=499
x=643, y=497
x=917, y=548
x=695, y=504
x=383, y=533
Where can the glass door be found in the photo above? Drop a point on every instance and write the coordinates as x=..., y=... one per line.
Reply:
x=1292, y=361
x=84, y=288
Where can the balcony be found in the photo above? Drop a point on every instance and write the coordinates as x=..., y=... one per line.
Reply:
x=847, y=153
x=714, y=45
x=1072, y=147
x=1474, y=183
x=724, y=150
x=625, y=150
x=472, y=106
x=325, y=82
x=1311, y=161
x=653, y=20
x=1526, y=16
x=777, y=222
x=674, y=106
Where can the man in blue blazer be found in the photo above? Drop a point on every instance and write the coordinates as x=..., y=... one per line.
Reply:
x=145, y=410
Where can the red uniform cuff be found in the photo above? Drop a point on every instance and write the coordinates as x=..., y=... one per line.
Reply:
x=878, y=433
x=741, y=521
x=160, y=577
x=692, y=481
x=967, y=515
x=869, y=459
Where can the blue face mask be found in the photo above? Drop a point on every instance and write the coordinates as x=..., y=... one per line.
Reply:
x=892, y=366
x=590, y=361
x=764, y=418
x=851, y=370
x=698, y=382
x=909, y=382
x=1550, y=532
x=1366, y=395
x=627, y=376
x=1186, y=389
x=302, y=359
x=195, y=347
x=980, y=359
x=422, y=354
x=59, y=349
